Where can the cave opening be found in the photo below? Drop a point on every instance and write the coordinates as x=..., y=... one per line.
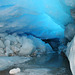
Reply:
x=37, y=37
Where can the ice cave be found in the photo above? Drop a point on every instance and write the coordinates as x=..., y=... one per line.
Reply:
x=37, y=37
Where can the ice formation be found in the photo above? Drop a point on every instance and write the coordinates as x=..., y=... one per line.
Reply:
x=34, y=20
x=36, y=71
x=43, y=19
x=70, y=28
x=70, y=35
x=70, y=31
x=11, y=45
x=71, y=54
x=6, y=62
x=14, y=71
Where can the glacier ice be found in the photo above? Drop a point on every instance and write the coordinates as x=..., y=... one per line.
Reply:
x=70, y=31
x=70, y=52
x=2, y=52
x=36, y=71
x=14, y=71
x=1, y=44
x=73, y=14
x=70, y=35
x=43, y=19
x=6, y=62
x=14, y=44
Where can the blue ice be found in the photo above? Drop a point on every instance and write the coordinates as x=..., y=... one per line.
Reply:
x=41, y=18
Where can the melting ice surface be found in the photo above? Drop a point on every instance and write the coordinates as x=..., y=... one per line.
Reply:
x=42, y=18
x=51, y=64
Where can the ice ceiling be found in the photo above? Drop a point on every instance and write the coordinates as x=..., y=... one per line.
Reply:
x=41, y=18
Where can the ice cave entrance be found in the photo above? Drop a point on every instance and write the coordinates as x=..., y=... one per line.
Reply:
x=37, y=37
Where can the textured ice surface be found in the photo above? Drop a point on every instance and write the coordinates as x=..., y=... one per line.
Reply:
x=6, y=62
x=71, y=54
x=40, y=18
x=35, y=71
x=11, y=45
x=50, y=64
x=14, y=71
x=43, y=18
x=70, y=31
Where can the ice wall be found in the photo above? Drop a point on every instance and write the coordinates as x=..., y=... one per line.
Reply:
x=41, y=18
x=70, y=52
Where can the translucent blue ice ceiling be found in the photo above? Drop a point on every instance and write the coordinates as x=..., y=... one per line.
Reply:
x=42, y=18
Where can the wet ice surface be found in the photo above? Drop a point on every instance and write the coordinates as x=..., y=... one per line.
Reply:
x=51, y=64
